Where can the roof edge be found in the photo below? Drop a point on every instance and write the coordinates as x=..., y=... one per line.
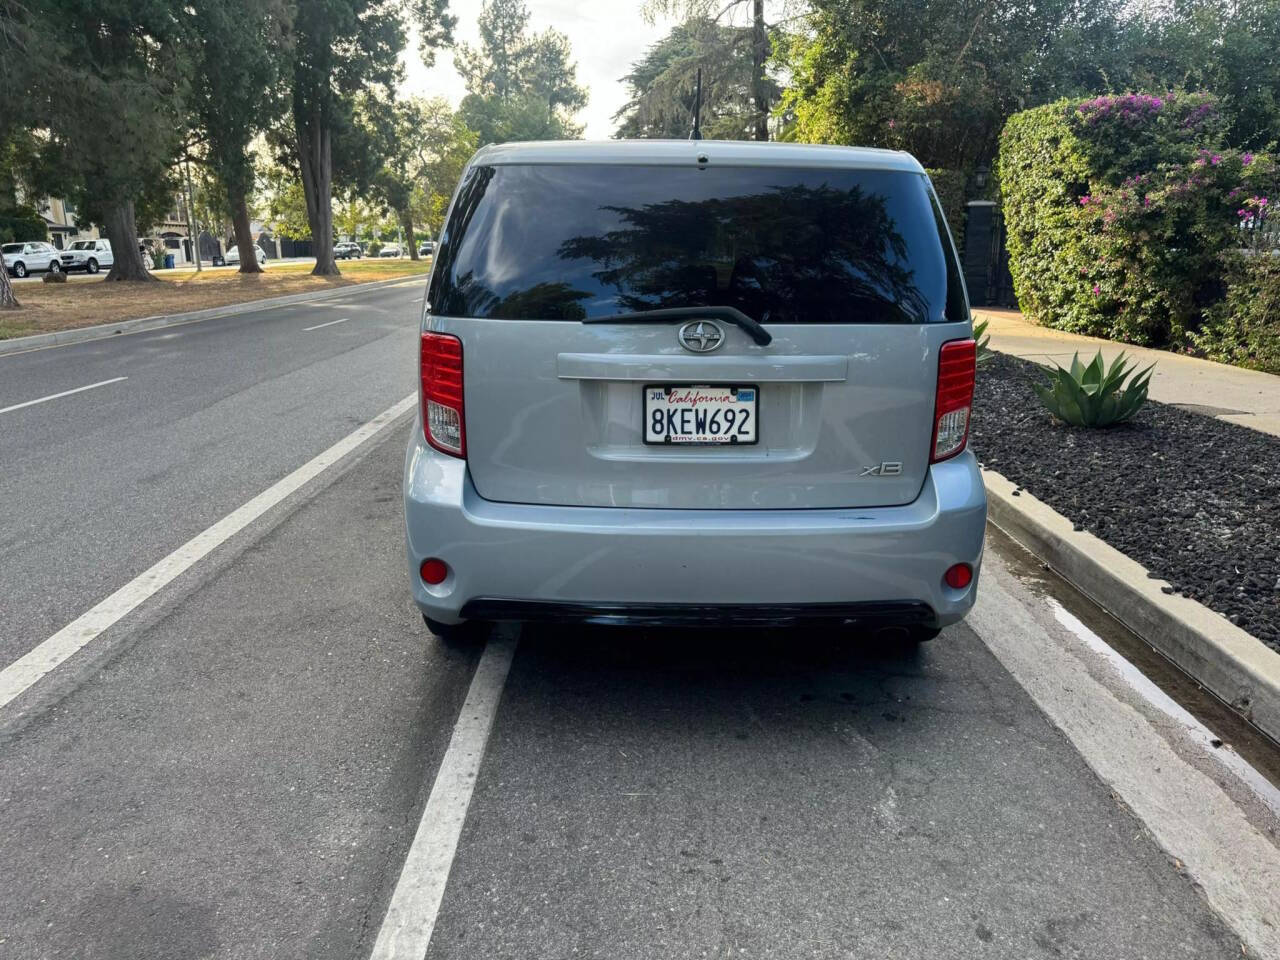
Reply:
x=711, y=153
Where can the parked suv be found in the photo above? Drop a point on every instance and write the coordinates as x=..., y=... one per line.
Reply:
x=695, y=382
x=88, y=255
x=34, y=256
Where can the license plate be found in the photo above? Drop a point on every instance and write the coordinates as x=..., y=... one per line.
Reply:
x=700, y=414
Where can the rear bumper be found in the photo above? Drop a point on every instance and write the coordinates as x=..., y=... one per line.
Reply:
x=896, y=613
x=600, y=564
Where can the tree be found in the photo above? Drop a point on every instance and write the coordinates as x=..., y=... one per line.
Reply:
x=710, y=12
x=111, y=110
x=344, y=47
x=425, y=145
x=942, y=89
x=212, y=205
x=238, y=45
x=353, y=214
x=1228, y=47
x=15, y=78
x=495, y=68
x=519, y=87
x=662, y=84
x=444, y=147
x=285, y=205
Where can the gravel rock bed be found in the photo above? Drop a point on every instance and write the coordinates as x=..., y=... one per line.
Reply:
x=1194, y=500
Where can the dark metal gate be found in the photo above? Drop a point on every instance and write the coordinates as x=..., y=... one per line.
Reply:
x=986, y=260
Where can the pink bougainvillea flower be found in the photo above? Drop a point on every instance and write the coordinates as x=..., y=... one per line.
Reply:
x=1096, y=290
x=1246, y=159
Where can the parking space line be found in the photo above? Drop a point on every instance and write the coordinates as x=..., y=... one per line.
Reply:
x=329, y=324
x=411, y=917
x=64, y=393
x=20, y=675
x=1188, y=810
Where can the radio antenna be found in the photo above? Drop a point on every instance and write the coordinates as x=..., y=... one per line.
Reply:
x=696, y=132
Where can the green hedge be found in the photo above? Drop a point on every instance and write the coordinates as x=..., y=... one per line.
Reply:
x=1120, y=209
x=1244, y=327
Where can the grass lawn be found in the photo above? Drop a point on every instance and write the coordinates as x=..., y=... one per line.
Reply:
x=84, y=301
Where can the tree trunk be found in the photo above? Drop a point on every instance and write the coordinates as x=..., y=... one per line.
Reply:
x=7, y=300
x=315, y=158
x=244, y=236
x=759, y=81
x=122, y=231
x=406, y=221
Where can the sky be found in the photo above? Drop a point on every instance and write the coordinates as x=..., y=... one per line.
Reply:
x=607, y=36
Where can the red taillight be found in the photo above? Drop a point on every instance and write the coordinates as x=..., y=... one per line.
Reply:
x=959, y=576
x=957, y=366
x=440, y=368
x=433, y=571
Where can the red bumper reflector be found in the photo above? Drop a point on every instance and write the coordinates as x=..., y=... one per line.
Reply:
x=958, y=577
x=433, y=571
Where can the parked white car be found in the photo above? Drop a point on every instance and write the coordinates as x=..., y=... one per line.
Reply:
x=391, y=250
x=33, y=256
x=88, y=255
x=233, y=256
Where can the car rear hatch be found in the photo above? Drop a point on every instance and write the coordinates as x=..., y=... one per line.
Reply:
x=697, y=336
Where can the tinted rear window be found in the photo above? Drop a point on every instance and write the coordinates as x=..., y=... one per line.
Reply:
x=784, y=245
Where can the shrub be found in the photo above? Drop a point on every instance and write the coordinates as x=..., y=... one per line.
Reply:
x=1244, y=327
x=949, y=185
x=1095, y=395
x=22, y=224
x=983, y=340
x=1118, y=210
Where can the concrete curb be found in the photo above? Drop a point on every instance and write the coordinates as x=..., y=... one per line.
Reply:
x=1232, y=664
x=104, y=330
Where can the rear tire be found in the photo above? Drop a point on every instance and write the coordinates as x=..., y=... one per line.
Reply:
x=19, y=269
x=464, y=634
x=92, y=265
x=55, y=266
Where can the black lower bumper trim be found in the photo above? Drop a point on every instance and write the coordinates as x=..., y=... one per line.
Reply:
x=878, y=614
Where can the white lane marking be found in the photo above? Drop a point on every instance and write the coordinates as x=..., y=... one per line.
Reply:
x=411, y=917
x=1262, y=788
x=1190, y=815
x=329, y=324
x=64, y=393
x=20, y=675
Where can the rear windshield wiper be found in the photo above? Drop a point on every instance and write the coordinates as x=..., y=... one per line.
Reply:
x=728, y=314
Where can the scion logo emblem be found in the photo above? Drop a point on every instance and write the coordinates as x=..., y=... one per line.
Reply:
x=701, y=336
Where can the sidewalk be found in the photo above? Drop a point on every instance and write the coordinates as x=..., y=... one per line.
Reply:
x=1246, y=397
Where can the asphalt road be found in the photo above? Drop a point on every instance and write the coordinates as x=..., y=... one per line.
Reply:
x=238, y=768
x=97, y=486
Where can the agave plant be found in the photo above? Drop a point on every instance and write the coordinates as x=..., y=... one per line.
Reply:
x=980, y=334
x=1095, y=395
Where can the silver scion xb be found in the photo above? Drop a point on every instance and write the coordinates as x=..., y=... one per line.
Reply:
x=688, y=382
